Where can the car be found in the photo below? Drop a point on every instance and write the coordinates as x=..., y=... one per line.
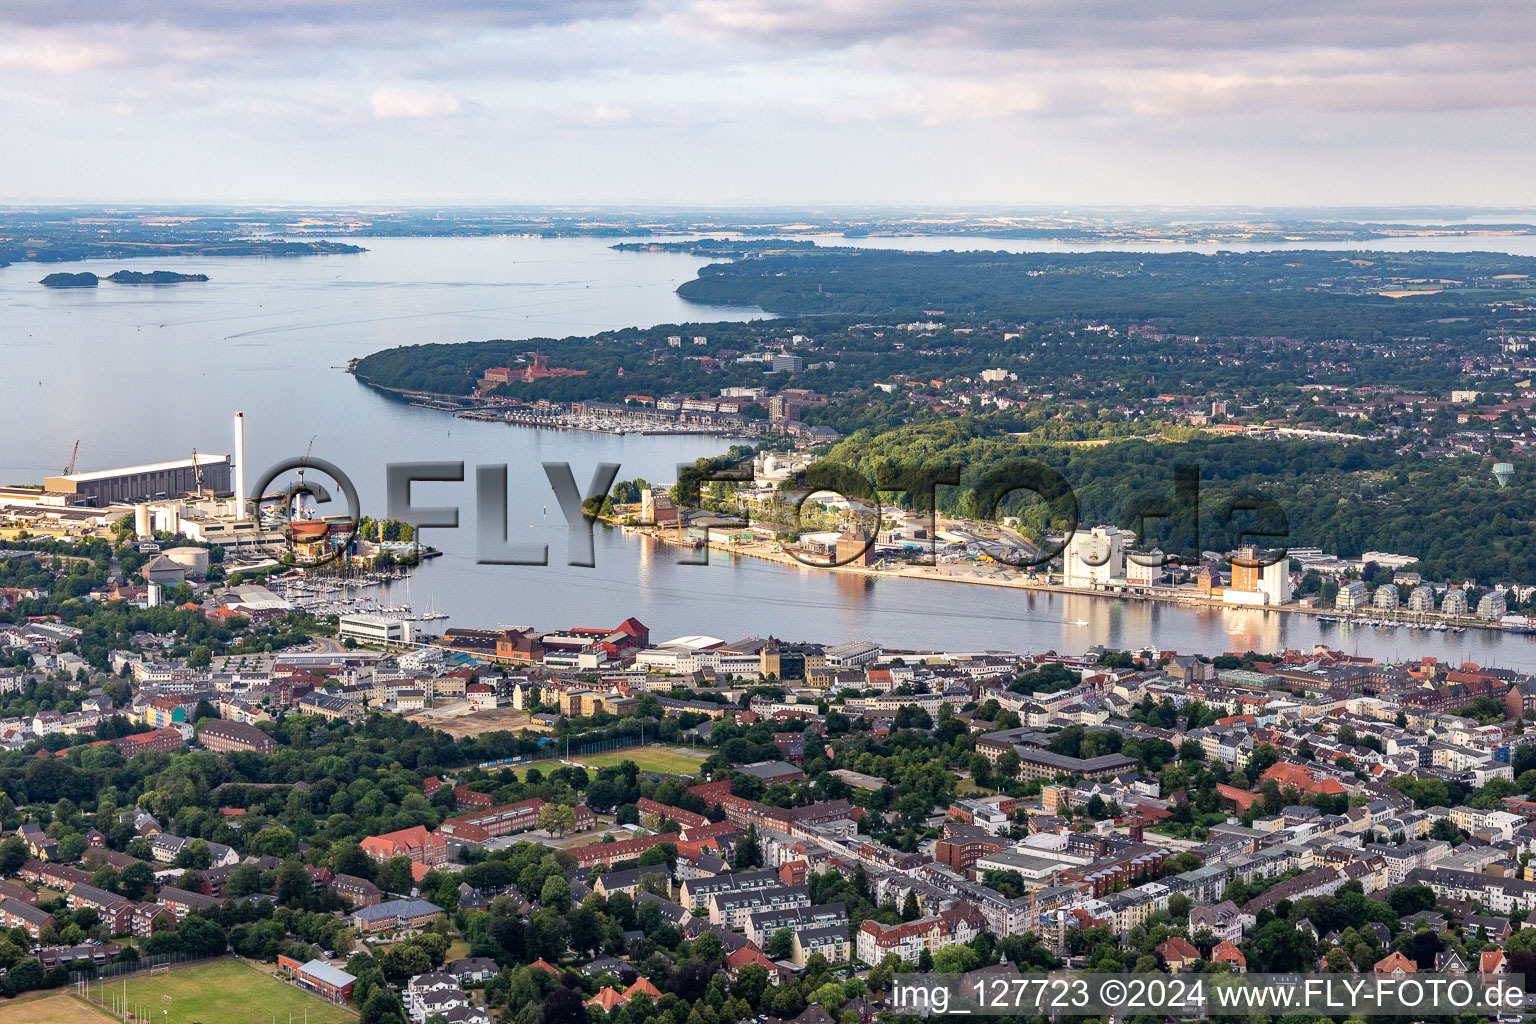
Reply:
x=330, y=954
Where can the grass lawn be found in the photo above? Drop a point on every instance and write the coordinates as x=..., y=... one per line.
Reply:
x=53, y=1007
x=227, y=992
x=651, y=759
x=546, y=766
x=458, y=949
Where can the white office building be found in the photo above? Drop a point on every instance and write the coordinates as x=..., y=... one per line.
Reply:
x=375, y=629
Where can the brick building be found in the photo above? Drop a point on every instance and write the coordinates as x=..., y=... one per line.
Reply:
x=224, y=737
x=416, y=843
x=142, y=742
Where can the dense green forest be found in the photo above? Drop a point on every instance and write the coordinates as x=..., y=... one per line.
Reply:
x=1116, y=324
x=454, y=369
x=1343, y=498
x=1307, y=294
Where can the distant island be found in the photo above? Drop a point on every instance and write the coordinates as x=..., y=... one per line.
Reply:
x=154, y=277
x=86, y=280
x=89, y=280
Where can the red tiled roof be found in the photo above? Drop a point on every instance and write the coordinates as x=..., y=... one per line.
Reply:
x=607, y=998
x=1176, y=949
x=1225, y=952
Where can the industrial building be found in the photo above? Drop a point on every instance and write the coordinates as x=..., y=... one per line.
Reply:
x=1093, y=557
x=205, y=471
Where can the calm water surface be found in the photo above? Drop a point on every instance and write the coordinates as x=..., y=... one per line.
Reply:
x=144, y=374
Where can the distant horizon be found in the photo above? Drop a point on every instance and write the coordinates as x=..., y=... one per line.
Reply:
x=1033, y=209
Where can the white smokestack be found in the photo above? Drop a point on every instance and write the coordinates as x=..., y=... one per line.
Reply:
x=240, y=465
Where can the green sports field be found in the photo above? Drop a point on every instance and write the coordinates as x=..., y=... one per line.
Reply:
x=651, y=759
x=226, y=992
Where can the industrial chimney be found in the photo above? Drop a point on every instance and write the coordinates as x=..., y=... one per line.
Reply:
x=240, y=466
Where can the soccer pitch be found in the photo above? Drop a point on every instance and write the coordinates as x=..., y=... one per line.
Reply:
x=651, y=759
x=223, y=992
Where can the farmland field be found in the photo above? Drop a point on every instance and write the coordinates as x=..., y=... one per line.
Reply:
x=226, y=992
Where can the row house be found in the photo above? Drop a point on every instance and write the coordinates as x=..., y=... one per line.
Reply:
x=695, y=893
x=165, y=848
x=629, y=879
x=731, y=909
x=183, y=902
x=1323, y=881
x=1201, y=886
x=76, y=956
x=699, y=862
x=55, y=876
x=1500, y=894
x=114, y=911
x=761, y=926
x=149, y=918
x=1124, y=910
x=593, y=854
x=666, y=812
x=1262, y=864
x=16, y=891
x=16, y=914
x=1403, y=860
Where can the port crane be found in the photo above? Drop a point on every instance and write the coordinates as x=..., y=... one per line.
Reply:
x=69, y=470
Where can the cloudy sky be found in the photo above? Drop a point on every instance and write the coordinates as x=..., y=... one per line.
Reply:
x=769, y=101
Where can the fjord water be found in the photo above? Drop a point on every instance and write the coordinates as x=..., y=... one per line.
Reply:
x=144, y=374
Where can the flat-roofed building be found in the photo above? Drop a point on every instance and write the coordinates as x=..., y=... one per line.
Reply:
x=137, y=483
x=324, y=980
x=374, y=629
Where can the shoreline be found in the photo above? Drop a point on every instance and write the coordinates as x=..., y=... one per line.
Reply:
x=461, y=408
x=973, y=575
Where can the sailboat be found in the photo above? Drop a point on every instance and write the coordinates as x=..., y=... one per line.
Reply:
x=432, y=613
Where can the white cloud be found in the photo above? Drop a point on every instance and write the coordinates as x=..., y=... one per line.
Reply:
x=608, y=113
x=803, y=99
x=393, y=103
x=57, y=58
